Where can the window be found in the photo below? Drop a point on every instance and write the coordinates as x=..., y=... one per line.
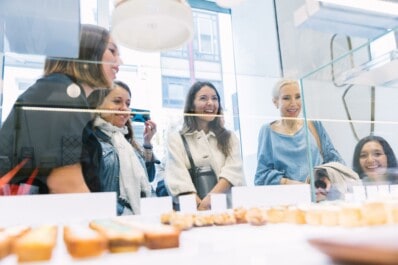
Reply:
x=177, y=53
x=174, y=91
x=206, y=40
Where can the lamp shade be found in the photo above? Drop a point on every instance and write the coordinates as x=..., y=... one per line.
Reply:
x=152, y=25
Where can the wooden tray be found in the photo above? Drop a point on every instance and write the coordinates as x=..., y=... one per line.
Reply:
x=381, y=249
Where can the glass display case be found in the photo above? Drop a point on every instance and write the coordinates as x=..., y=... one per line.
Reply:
x=354, y=97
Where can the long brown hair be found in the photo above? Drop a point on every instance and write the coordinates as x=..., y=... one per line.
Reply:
x=217, y=125
x=87, y=68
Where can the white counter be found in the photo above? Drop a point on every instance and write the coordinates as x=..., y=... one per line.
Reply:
x=234, y=244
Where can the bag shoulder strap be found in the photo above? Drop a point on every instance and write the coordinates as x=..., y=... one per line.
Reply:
x=188, y=151
x=314, y=132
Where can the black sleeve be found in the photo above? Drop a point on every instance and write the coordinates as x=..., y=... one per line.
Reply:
x=90, y=161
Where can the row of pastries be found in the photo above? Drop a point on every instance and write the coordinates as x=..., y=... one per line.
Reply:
x=116, y=235
x=30, y=243
x=367, y=213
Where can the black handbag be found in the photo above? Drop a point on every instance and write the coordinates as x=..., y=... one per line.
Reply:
x=204, y=178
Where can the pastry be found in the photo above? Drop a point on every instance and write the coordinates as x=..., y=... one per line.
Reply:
x=156, y=236
x=200, y=220
x=36, y=244
x=313, y=215
x=350, y=215
x=8, y=235
x=256, y=216
x=295, y=215
x=181, y=221
x=165, y=217
x=240, y=215
x=5, y=245
x=16, y=231
x=277, y=214
x=159, y=237
x=374, y=213
x=392, y=210
x=121, y=238
x=224, y=219
x=330, y=215
x=84, y=242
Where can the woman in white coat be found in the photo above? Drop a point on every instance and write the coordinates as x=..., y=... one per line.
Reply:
x=210, y=144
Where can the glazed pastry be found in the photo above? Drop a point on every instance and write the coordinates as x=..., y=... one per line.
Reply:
x=84, y=242
x=121, y=238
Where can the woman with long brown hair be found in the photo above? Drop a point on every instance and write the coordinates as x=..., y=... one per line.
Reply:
x=210, y=143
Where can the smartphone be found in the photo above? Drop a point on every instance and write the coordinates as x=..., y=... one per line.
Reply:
x=140, y=115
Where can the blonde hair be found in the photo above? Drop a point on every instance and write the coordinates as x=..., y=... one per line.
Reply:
x=281, y=83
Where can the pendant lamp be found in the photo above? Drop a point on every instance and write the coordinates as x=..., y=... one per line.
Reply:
x=152, y=25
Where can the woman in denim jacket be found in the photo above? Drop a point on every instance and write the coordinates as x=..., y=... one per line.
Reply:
x=112, y=159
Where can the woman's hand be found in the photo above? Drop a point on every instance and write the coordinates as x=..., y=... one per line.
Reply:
x=204, y=204
x=222, y=186
x=149, y=131
x=286, y=181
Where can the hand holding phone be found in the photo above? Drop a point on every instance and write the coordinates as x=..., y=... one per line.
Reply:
x=140, y=115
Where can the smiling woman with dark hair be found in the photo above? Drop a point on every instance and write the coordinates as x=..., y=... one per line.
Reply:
x=211, y=145
x=374, y=160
